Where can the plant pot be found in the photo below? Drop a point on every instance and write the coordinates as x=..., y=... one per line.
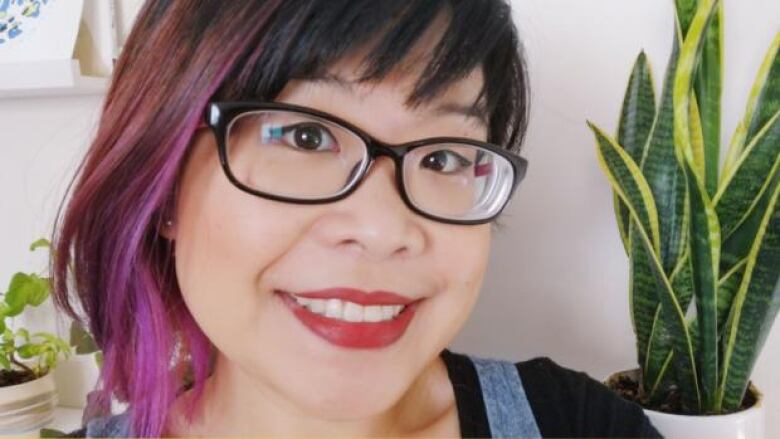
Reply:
x=75, y=378
x=747, y=423
x=29, y=405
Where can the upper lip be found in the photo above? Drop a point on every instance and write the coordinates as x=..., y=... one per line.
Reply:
x=357, y=296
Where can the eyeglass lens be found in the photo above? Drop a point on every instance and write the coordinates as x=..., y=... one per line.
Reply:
x=301, y=156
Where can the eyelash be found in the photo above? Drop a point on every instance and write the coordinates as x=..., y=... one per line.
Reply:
x=280, y=132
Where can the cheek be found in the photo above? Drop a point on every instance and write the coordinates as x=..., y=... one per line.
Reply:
x=462, y=257
x=224, y=240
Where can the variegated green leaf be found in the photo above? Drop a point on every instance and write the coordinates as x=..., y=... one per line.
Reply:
x=685, y=10
x=707, y=85
x=754, y=310
x=643, y=303
x=763, y=103
x=636, y=120
x=663, y=173
x=727, y=289
x=749, y=177
x=673, y=317
x=638, y=111
x=704, y=254
x=627, y=180
x=704, y=228
x=657, y=368
x=697, y=139
x=736, y=248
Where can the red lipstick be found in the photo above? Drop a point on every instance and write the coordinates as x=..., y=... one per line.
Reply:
x=342, y=333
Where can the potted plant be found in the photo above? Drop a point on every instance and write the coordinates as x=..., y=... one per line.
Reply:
x=703, y=243
x=27, y=389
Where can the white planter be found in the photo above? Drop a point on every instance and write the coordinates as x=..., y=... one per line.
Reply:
x=75, y=377
x=748, y=423
x=28, y=405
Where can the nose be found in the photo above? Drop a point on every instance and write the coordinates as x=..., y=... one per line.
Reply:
x=373, y=222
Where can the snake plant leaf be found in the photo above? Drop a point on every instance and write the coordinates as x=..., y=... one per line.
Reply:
x=755, y=308
x=763, y=103
x=704, y=226
x=673, y=317
x=657, y=373
x=638, y=110
x=629, y=183
x=750, y=177
x=627, y=180
x=727, y=288
x=697, y=139
x=708, y=85
x=704, y=255
x=636, y=120
x=663, y=173
x=657, y=370
x=685, y=10
x=736, y=249
x=644, y=305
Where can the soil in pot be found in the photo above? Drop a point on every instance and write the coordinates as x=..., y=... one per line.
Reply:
x=13, y=377
x=627, y=386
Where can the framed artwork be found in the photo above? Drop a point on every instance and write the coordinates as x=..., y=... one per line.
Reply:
x=38, y=30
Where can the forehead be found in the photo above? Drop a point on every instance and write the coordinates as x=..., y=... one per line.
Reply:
x=459, y=97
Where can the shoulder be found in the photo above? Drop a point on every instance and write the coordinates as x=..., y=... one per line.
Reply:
x=115, y=425
x=570, y=403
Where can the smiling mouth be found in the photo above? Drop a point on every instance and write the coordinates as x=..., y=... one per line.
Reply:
x=348, y=324
x=348, y=311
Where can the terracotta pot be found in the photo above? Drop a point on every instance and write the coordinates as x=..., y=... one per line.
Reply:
x=748, y=423
x=29, y=405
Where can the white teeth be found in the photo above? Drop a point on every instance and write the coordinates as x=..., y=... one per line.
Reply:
x=349, y=311
x=373, y=314
x=317, y=306
x=353, y=312
x=333, y=308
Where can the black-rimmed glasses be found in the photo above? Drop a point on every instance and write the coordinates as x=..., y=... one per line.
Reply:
x=296, y=154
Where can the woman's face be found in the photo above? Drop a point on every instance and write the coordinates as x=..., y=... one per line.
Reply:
x=235, y=252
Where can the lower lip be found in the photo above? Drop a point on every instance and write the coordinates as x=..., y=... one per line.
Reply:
x=352, y=334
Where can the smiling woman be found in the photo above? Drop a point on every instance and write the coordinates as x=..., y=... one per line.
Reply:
x=285, y=218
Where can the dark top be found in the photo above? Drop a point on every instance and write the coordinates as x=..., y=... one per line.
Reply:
x=565, y=403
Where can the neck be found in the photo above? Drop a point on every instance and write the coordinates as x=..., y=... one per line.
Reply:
x=237, y=404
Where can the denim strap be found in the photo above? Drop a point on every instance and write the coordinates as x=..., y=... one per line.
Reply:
x=109, y=426
x=508, y=410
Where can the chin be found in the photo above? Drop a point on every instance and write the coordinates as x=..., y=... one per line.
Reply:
x=340, y=400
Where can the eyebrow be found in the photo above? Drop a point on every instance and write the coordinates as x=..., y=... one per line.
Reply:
x=476, y=112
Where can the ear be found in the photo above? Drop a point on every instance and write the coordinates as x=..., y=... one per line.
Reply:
x=166, y=222
x=167, y=228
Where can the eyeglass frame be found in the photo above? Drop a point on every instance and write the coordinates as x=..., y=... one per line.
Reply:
x=220, y=114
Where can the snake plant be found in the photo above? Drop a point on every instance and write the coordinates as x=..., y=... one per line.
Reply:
x=702, y=240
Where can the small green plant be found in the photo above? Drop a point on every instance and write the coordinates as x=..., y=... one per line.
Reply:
x=703, y=243
x=82, y=341
x=43, y=348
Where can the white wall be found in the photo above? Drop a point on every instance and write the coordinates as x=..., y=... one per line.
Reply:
x=557, y=283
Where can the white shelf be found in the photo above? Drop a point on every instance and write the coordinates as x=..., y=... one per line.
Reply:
x=48, y=78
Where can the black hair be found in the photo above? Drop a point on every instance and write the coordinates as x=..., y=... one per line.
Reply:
x=304, y=37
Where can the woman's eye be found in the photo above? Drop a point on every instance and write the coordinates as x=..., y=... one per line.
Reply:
x=307, y=136
x=445, y=161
